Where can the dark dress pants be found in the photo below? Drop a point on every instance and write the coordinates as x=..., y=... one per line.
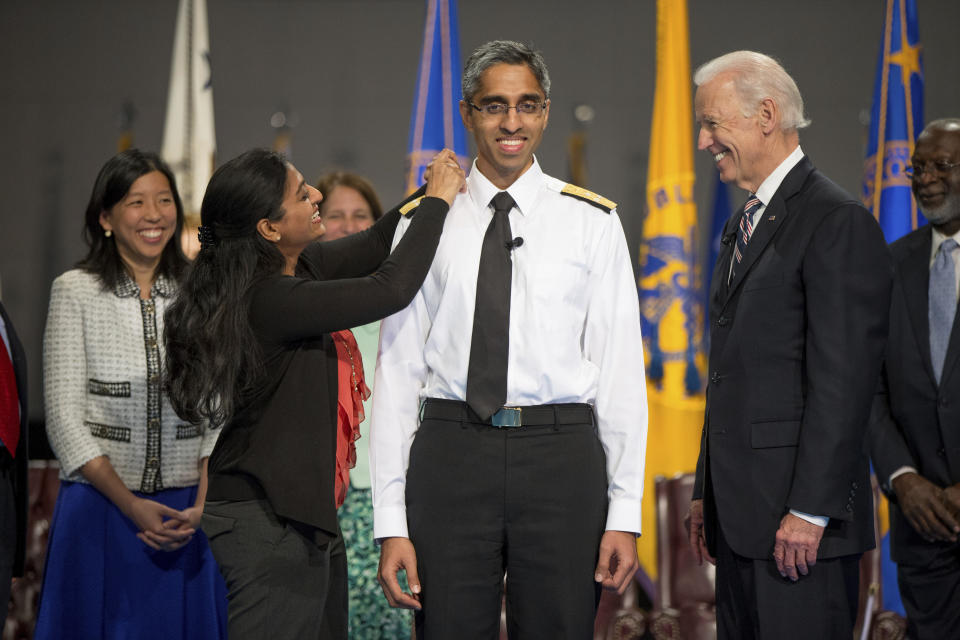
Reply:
x=8, y=538
x=280, y=583
x=931, y=596
x=529, y=503
x=755, y=602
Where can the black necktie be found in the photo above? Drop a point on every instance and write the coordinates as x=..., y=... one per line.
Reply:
x=490, y=345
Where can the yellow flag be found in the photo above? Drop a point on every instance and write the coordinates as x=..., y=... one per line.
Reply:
x=670, y=291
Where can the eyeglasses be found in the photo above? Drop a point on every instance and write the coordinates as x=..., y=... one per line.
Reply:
x=498, y=108
x=934, y=167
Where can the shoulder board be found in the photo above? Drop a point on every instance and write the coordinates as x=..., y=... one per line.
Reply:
x=406, y=209
x=589, y=196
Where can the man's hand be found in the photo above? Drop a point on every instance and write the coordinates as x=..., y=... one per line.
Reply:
x=796, y=547
x=951, y=499
x=397, y=554
x=926, y=508
x=618, y=560
x=694, y=524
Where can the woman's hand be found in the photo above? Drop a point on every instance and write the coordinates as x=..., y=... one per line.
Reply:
x=445, y=179
x=161, y=527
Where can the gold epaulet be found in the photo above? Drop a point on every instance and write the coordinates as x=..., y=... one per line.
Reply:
x=410, y=206
x=589, y=196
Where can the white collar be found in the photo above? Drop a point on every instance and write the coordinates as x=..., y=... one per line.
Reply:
x=773, y=181
x=524, y=190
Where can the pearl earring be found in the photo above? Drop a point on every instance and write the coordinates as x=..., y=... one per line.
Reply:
x=107, y=233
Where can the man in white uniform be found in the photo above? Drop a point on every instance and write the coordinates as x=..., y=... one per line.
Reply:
x=509, y=424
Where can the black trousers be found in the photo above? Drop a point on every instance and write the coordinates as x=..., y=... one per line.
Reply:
x=280, y=583
x=8, y=536
x=529, y=503
x=931, y=596
x=755, y=602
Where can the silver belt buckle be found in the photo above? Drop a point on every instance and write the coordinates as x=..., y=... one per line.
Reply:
x=507, y=417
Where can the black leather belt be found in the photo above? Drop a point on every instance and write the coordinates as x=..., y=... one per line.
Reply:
x=507, y=417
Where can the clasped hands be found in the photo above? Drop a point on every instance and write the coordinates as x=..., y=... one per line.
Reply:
x=161, y=527
x=934, y=512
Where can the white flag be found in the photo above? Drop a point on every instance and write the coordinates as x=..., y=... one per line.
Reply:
x=189, y=143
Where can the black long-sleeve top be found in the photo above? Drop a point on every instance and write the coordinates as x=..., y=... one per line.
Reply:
x=281, y=444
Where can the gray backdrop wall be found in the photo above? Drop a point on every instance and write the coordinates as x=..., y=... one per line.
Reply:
x=347, y=69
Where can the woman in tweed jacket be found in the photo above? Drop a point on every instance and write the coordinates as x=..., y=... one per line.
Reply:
x=125, y=558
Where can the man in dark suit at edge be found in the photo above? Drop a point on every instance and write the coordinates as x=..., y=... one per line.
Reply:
x=13, y=459
x=798, y=323
x=915, y=428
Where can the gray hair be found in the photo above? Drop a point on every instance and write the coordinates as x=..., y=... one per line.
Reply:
x=756, y=77
x=502, y=52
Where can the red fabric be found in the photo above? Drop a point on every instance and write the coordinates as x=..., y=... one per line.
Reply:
x=10, y=402
x=352, y=390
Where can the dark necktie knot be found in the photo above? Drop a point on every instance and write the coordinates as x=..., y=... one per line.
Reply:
x=503, y=201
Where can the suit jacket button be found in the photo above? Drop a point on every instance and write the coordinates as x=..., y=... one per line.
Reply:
x=942, y=452
x=944, y=402
x=849, y=507
x=723, y=321
x=715, y=378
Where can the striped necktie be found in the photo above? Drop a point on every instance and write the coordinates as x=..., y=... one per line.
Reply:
x=746, y=230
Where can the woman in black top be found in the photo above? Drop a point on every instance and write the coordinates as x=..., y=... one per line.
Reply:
x=248, y=347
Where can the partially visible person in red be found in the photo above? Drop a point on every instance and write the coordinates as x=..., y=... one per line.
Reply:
x=350, y=204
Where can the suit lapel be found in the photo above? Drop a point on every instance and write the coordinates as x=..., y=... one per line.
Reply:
x=915, y=280
x=773, y=217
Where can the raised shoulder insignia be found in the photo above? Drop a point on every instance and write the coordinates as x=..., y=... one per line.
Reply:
x=410, y=206
x=589, y=196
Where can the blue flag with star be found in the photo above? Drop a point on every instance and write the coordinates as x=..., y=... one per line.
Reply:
x=896, y=120
x=436, y=122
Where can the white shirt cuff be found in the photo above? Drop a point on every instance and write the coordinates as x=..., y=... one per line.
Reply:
x=390, y=522
x=900, y=472
x=623, y=515
x=820, y=521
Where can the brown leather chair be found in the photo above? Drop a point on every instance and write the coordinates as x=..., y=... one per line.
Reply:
x=44, y=483
x=684, y=607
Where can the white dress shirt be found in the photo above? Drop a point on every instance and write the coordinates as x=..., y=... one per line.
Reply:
x=574, y=336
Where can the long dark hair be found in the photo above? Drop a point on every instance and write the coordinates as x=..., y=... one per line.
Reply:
x=212, y=358
x=112, y=184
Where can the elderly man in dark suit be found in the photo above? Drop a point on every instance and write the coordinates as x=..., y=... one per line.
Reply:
x=798, y=318
x=916, y=417
x=13, y=459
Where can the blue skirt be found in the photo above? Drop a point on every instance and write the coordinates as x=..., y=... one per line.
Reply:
x=102, y=583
